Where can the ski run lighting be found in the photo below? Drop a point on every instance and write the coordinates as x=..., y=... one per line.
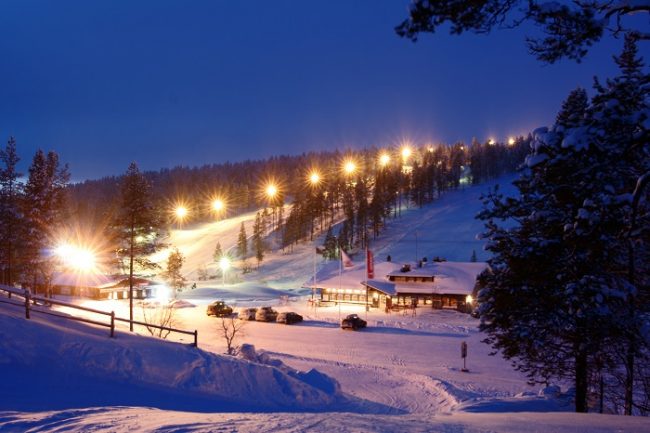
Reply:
x=349, y=167
x=217, y=205
x=314, y=178
x=271, y=190
x=406, y=153
x=181, y=212
x=384, y=159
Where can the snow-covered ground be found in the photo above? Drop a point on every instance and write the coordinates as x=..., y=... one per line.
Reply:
x=402, y=373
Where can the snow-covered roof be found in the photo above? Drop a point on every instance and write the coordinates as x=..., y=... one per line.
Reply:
x=457, y=278
x=384, y=286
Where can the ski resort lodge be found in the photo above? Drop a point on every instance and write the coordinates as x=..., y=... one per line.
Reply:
x=448, y=285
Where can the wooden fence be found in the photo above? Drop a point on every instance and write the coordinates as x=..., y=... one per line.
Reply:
x=30, y=300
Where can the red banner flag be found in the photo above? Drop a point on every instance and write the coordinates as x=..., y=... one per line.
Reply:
x=370, y=263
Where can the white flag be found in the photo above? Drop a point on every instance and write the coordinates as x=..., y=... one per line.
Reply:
x=347, y=261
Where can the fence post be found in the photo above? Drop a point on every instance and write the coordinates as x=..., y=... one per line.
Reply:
x=196, y=338
x=26, y=303
x=112, y=324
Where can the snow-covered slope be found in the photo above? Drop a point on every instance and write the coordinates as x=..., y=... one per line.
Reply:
x=51, y=363
x=445, y=228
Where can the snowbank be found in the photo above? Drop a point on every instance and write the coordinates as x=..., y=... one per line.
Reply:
x=52, y=363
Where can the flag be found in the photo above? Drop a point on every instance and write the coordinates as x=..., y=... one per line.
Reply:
x=370, y=264
x=347, y=261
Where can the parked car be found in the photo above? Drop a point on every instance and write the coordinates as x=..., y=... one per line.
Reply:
x=353, y=322
x=266, y=314
x=219, y=309
x=289, y=318
x=247, y=313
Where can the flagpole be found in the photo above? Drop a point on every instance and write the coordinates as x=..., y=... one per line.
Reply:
x=367, y=306
x=338, y=297
x=313, y=287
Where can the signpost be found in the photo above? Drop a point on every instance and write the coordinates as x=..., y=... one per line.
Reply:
x=463, y=354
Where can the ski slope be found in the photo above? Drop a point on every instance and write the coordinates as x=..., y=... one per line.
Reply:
x=445, y=228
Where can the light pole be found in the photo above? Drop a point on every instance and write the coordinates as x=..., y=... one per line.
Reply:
x=224, y=264
x=271, y=193
x=314, y=181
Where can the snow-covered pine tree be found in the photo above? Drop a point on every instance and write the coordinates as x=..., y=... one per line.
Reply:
x=173, y=268
x=562, y=294
x=43, y=207
x=242, y=243
x=137, y=226
x=258, y=239
x=10, y=212
x=218, y=252
x=330, y=251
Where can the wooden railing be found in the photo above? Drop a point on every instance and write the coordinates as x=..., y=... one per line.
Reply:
x=30, y=300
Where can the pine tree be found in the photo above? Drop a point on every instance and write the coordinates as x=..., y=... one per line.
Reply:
x=258, y=239
x=137, y=226
x=172, y=271
x=218, y=253
x=582, y=223
x=473, y=258
x=10, y=212
x=242, y=243
x=44, y=209
x=330, y=251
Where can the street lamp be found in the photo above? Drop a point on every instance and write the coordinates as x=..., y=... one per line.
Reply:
x=349, y=167
x=384, y=159
x=180, y=212
x=271, y=193
x=314, y=178
x=511, y=141
x=218, y=207
x=224, y=264
x=406, y=153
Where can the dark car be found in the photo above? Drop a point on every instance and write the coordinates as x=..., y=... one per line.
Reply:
x=353, y=322
x=219, y=309
x=289, y=318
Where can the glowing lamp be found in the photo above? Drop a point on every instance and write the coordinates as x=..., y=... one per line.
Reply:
x=224, y=263
x=217, y=205
x=349, y=167
x=181, y=212
x=271, y=190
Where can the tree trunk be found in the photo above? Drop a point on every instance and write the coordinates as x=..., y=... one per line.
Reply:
x=131, y=275
x=629, y=378
x=581, y=381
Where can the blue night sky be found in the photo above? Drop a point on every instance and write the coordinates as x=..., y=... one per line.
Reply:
x=168, y=83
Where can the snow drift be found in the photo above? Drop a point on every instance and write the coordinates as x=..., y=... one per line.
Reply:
x=79, y=366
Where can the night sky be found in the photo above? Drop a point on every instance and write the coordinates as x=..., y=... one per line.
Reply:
x=169, y=83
